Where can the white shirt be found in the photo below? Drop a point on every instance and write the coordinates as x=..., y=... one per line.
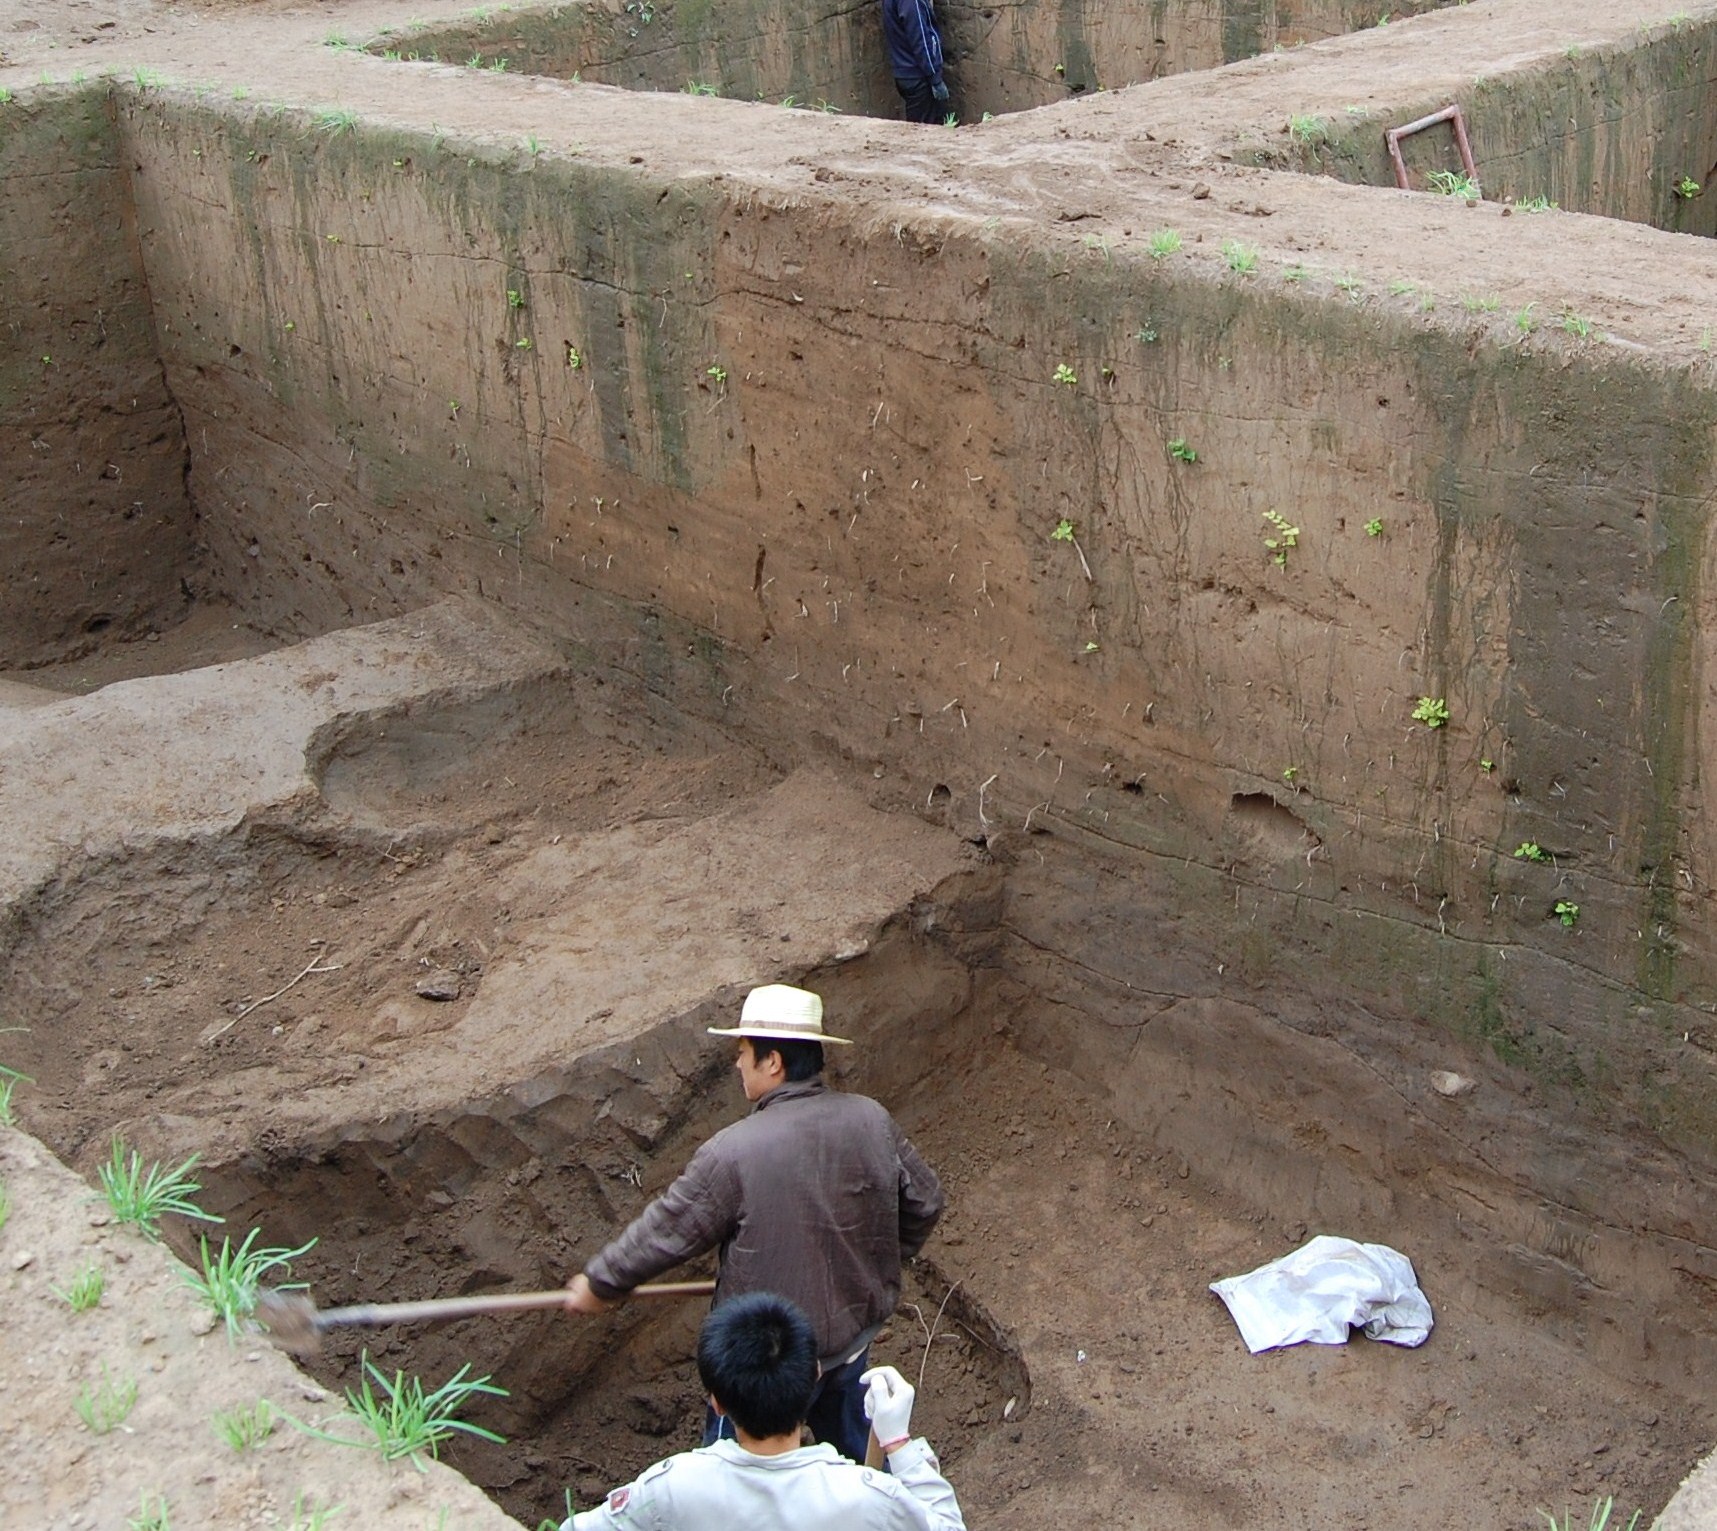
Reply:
x=811, y=1489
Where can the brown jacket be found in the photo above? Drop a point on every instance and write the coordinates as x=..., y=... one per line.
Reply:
x=816, y=1196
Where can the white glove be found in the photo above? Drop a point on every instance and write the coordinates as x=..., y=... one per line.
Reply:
x=888, y=1400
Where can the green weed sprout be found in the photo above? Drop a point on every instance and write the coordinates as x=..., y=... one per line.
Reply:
x=1242, y=259
x=1374, y=527
x=1600, y=1520
x=1566, y=912
x=718, y=372
x=243, y=1427
x=1453, y=183
x=151, y=1515
x=336, y=120
x=1527, y=850
x=1538, y=204
x=84, y=1290
x=515, y=298
x=1163, y=242
x=1580, y=329
x=10, y=1079
x=574, y=357
x=699, y=88
x=228, y=1283
x=144, y=1196
x=1487, y=765
x=1287, y=537
x=1065, y=375
x=103, y=1406
x=1523, y=320
x=1432, y=711
x=1063, y=531
x=1181, y=452
x=400, y=1420
x=1480, y=303
x=1308, y=131
x=1687, y=188
x=310, y=1516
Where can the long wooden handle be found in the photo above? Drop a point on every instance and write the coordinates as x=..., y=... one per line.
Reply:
x=498, y=1302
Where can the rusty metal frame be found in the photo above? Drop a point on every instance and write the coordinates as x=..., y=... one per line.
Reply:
x=1449, y=114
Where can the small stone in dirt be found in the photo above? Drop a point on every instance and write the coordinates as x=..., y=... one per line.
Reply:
x=1200, y=192
x=22, y=1259
x=313, y=1394
x=203, y=1322
x=1447, y=1082
x=443, y=984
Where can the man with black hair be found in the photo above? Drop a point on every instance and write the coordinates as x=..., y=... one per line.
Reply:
x=915, y=58
x=816, y=1195
x=757, y=1358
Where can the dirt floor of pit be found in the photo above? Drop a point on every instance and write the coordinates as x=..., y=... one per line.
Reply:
x=1091, y=1250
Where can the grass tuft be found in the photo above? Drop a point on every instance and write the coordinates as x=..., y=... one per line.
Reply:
x=229, y=1282
x=142, y=1196
x=103, y=1406
x=243, y=1427
x=84, y=1290
x=399, y=1419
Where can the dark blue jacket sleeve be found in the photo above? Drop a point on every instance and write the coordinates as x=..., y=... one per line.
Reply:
x=914, y=45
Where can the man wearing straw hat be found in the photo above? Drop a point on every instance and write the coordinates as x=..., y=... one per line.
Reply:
x=816, y=1195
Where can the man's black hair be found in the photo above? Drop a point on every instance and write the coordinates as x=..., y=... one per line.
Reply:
x=799, y=1060
x=757, y=1357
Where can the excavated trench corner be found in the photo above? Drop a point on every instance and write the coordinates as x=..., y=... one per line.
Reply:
x=525, y=598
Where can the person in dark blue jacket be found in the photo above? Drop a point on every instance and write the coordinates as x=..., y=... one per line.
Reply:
x=915, y=56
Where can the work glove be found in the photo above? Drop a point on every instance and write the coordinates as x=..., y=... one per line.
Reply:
x=888, y=1399
x=938, y=92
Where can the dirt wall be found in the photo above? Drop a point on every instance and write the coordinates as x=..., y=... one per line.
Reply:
x=95, y=526
x=1622, y=132
x=1001, y=58
x=864, y=495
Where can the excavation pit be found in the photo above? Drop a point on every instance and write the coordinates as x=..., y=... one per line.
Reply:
x=616, y=492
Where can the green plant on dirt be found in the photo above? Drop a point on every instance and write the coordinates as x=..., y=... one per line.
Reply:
x=515, y=298
x=5, y=96
x=1580, y=329
x=399, y=1419
x=700, y=88
x=1566, y=912
x=1529, y=850
x=142, y=1197
x=1065, y=375
x=151, y=1515
x=553, y=1523
x=1289, y=774
x=1162, y=242
x=337, y=41
x=1146, y=334
x=146, y=79
x=1687, y=188
x=84, y=1290
x=1523, y=320
x=10, y=1079
x=1453, y=183
x=1181, y=452
x=1295, y=273
x=1401, y=288
x=952, y=120
x=523, y=343
x=1241, y=259
x=1480, y=303
x=307, y=1515
x=1432, y=711
x=1063, y=531
x=229, y=1282
x=336, y=120
x=103, y=1406
x=574, y=357
x=1308, y=132
x=717, y=371
x=1351, y=285
x=1374, y=527
x=1286, y=539
x=1599, y=1521
x=1092, y=645
x=789, y=100
x=533, y=145
x=1537, y=205
x=243, y=1426
x=1487, y=765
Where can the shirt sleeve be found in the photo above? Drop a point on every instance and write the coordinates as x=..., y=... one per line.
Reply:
x=693, y=1215
x=926, y=41
x=928, y=1503
x=921, y=1198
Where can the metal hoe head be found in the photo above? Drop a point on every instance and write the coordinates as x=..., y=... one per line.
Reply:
x=291, y=1321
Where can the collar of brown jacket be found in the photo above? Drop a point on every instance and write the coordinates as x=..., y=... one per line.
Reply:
x=798, y=1090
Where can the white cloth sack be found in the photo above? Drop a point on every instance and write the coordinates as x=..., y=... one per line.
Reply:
x=1323, y=1289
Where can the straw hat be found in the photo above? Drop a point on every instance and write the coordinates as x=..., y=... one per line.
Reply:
x=783, y=1013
